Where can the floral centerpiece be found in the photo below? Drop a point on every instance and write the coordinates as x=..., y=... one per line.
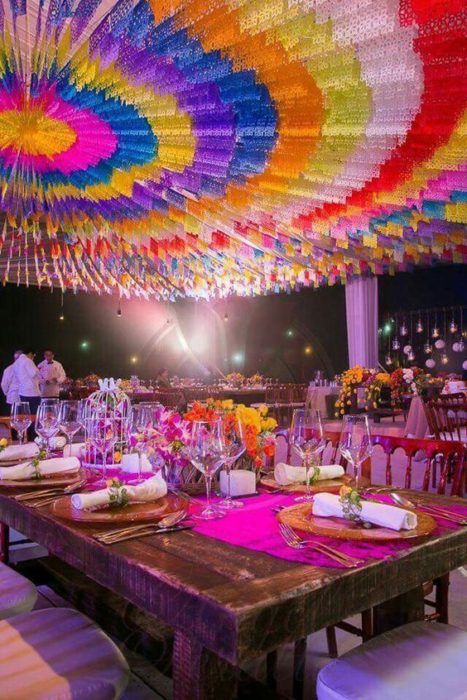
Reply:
x=405, y=380
x=376, y=385
x=235, y=379
x=255, y=379
x=259, y=427
x=350, y=381
x=166, y=443
x=91, y=380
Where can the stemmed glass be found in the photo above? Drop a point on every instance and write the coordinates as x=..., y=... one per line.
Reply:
x=69, y=420
x=207, y=452
x=20, y=418
x=142, y=420
x=307, y=437
x=234, y=439
x=355, y=443
x=103, y=435
x=47, y=421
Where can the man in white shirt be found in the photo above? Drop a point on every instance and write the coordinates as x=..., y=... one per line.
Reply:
x=9, y=383
x=28, y=376
x=52, y=376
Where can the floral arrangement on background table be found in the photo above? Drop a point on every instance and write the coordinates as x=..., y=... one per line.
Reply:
x=91, y=380
x=376, y=386
x=235, y=379
x=259, y=427
x=255, y=379
x=351, y=380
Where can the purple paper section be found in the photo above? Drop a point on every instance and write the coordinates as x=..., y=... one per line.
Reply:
x=255, y=527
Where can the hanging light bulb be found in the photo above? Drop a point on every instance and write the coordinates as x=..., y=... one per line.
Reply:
x=396, y=344
x=435, y=332
x=119, y=311
x=411, y=356
x=388, y=360
x=427, y=348
x=453, y=326
x=444, y=359
x=419, y=326
x=403, y=329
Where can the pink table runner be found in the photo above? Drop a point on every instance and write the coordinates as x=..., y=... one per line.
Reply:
x=255, y=527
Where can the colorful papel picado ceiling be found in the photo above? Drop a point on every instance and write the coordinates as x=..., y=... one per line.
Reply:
x=202, y=148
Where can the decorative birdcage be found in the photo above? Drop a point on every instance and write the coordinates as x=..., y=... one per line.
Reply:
x=107, y=416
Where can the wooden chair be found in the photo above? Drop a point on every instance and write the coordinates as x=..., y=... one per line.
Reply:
x=447, y=417
x=451, y=458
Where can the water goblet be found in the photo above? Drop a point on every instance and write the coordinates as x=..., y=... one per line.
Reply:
x=355, y=443
x=102, y=434
x=69, y=420
x=307, y=437
x=21, y=418
x=142, y=419
x=234, y=438
x=47, y=421
x=207, y=452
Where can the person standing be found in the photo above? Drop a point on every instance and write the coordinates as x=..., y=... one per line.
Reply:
x=9, y=382
x=28, y=377
x=52, y=376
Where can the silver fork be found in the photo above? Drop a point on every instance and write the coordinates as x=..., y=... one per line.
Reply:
x=110, y=536
x=293, y=540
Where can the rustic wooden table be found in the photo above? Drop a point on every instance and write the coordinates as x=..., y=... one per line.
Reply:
x=226, y=603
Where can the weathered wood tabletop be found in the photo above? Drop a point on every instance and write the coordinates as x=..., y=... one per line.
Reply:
x=226, y=603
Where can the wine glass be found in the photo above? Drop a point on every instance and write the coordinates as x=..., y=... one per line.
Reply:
x=234, y=439
x=47, y=421
x=141, y=420
x=20, y=418
x=103, y=435
x=69, y=420
x=207, y=452
x=355, y=443
x=307, y=437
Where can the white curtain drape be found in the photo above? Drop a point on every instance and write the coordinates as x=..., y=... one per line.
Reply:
x=361, y=304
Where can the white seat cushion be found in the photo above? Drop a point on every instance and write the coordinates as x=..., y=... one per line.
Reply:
x=419, y=661
x=17, y=593
x=58, y=654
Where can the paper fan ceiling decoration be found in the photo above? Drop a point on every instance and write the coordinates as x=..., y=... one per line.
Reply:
x=210, y=147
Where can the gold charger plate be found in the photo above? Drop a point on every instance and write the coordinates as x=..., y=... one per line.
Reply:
x=134, y=512
x=326, y=485
x=45, y=481
x=300, y=518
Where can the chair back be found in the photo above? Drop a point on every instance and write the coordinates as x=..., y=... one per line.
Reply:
x=447, y=417
x=448, y=456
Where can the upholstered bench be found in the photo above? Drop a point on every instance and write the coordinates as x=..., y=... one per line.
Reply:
x=17, y=593
x=58, y=653
x=420, y=661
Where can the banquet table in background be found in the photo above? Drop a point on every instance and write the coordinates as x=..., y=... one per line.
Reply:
x=239, y=603
x=322, y=398
x=245, y=396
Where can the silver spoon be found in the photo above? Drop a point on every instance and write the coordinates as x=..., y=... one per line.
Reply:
x=402, y=500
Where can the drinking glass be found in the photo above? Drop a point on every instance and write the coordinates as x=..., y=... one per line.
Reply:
x=141, y=420
x=234, y=439
x=69, y=419
x=20, y=418
x=47, y=421
x=103, y=434
x=355, y=443
x=207, y=453
x=307, y=437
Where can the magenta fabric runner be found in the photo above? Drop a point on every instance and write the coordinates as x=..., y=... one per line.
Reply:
x=255, y=527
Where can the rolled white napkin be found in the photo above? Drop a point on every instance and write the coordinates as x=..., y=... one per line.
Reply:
x=149, y=490
x=29, y=450
x=286, y=474
x=76, y=449
x=327, y=505
x=57, y=442
x=47, y=467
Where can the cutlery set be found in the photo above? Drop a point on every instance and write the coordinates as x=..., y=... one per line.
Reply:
x=291, y=539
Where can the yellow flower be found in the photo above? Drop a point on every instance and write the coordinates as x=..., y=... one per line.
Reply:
x=227, y=404
x=117, y=457
x=345, y=490
x=3, y=442
x=263, y=410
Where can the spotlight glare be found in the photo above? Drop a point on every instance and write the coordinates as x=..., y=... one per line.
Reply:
x=133, y=359
x=237, y=357
x=290, y=332
x=308, y=350
x=84, y=344
x=61, y=317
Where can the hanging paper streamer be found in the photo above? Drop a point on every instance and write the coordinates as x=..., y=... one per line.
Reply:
x=213, y=147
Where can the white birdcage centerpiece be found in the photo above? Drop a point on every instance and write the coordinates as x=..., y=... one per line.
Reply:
x=107, y=417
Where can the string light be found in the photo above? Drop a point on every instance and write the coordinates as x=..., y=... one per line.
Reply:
x=419, y=326
x=308, y=349
x=403, y=329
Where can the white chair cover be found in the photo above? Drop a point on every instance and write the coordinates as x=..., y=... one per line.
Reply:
x=17, y=593
x=420, y=661
x=58, y=654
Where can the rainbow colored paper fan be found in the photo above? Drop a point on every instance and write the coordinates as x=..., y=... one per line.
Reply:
x=211, y=147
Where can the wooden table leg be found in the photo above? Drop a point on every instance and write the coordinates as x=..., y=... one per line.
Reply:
x=4, y=542
x=198, y=674
x=407, y=607
x=299, y=658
